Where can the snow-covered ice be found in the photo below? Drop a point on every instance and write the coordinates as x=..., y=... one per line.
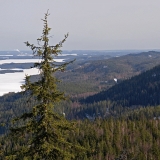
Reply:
x=11, y=82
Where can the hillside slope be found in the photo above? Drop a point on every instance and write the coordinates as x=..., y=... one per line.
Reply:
x=139, y=90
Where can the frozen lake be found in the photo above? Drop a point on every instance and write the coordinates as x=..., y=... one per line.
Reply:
x=11, y=82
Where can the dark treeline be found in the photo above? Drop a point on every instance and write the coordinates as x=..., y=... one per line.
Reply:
x=110, y=138
x=135, y=134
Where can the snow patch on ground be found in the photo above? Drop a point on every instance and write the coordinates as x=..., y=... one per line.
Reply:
x=115, y=79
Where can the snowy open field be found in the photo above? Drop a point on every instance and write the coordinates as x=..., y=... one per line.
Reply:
x=11, y=82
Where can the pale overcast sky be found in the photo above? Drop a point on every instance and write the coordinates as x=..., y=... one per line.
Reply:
x=92, y=24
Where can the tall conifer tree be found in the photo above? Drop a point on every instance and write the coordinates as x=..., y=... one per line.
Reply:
x=44, y=130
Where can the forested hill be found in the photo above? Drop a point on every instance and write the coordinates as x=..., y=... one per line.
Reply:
x=84, y=79
x=139, y=90
x=100, y=74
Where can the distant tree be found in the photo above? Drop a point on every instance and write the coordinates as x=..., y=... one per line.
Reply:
x=44, y=131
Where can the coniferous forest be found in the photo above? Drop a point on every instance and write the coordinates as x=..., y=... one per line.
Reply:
x=83, y=117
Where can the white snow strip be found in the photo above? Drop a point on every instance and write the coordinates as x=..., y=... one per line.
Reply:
x=25, y=60
x=6, y=55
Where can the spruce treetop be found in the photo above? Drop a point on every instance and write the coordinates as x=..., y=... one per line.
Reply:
x=42, y=130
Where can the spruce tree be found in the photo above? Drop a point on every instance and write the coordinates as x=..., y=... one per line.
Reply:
x=43, y=130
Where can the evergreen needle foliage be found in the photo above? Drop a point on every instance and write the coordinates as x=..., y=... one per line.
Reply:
x=43, y=131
